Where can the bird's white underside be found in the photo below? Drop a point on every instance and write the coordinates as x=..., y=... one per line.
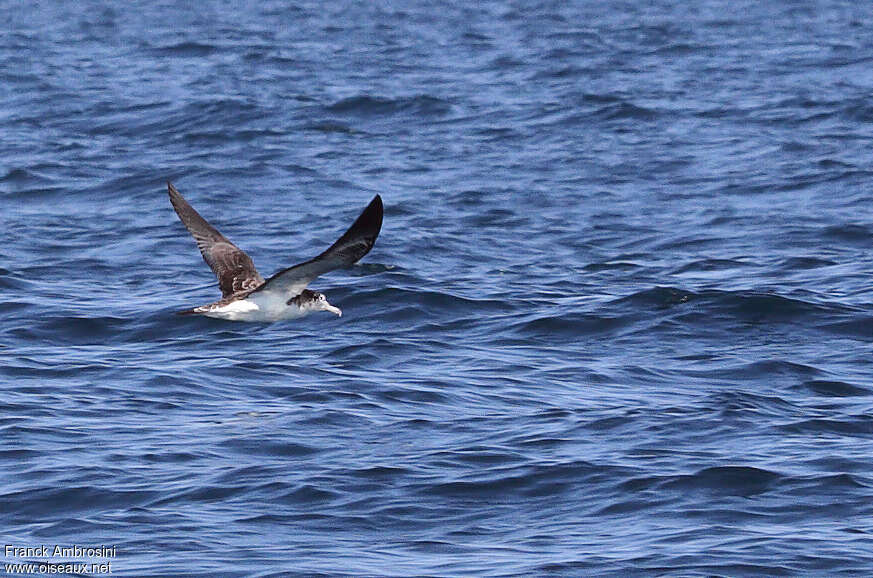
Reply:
x=262, y=306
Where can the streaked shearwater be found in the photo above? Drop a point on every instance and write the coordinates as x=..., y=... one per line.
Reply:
x=245, y=296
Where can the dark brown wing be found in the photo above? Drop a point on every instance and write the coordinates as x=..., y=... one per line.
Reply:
x=354, y=244
x=235, y=271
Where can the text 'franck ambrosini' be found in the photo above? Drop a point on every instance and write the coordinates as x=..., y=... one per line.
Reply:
x=45, y=551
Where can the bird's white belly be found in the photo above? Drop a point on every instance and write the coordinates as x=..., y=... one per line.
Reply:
x=257, y=307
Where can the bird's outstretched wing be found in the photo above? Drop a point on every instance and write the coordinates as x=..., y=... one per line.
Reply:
x=235, y=271
x=354, y=244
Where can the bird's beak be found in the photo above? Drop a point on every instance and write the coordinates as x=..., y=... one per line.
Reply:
x=332, y=309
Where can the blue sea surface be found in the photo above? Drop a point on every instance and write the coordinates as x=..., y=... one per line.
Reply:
x=618, y=320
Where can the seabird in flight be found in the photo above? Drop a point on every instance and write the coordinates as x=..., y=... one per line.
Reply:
x=245, y=296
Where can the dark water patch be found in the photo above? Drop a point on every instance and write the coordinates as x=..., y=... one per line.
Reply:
x=327, y=126
x=187, y=49
x=205, y=137
x=205, y=493
x=74, y=330
x=571, y=325
x=554, y=413
x=831, y=483
x=854, y=425
x=849, y=233
x=657, y=297
x=625, y=111
x=252, y=475
x=262, y=447
x=527, y=481
x=752, y=407
x=486, y=457
x=413, y=396
x=266, y=519
x=46, y=503
x=495, y=218
x=611, y=265
x=833, y=164
x=858, y=326
x=315, y=397
x=13, y=309
x=743, y=481
x=47, y=369
x=18, y=454
x=20, y=176
x=377, y=472
x=438, y=547
x=505, y=63
x=857, y=111
x=697, y=240
x=685, y=569
x=630, y=506
x=72, y=526
x=835, y=463
x=827, y=388
x=377, y=106
x=442, y=302
x=600, y=98
x=758, y=307
x=307, y=494
x=765, y=371
x=711, y=265
x=560, y=73
x=498, y=134
x=178, y=122
x=771, y=367
x=796, y=263
x=373, y=353
x=612, y=423
x=339, y=418
x=680, y=49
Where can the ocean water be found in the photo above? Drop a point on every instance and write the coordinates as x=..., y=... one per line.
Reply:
x=618, y=321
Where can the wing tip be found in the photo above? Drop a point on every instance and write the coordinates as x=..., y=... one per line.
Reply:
x=368, y=224
x=374, y=212
x=175, y=195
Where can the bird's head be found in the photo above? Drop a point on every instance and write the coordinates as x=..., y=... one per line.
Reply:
x=321, y=304
x=314, y=301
